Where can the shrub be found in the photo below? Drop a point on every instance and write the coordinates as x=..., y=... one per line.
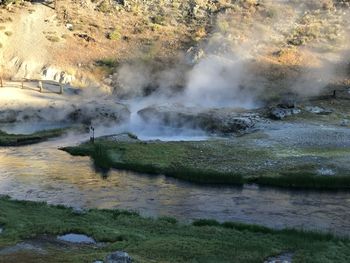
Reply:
x=53, y=38
x=205, y=222
x=104, y=7
x=223, y=26
x=170, y=220
x=107, y=62
x=114, y=35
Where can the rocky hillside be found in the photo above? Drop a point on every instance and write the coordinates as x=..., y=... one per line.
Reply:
x=296, y=45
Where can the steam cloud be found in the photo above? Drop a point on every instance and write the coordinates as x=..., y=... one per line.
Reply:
x=233, y=67
x=222, y=77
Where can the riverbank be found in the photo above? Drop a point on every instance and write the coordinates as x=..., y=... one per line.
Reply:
x=150, y=240
x=7, y=139
x=248, y=159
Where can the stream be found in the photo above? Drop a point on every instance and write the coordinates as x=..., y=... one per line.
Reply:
x=41, y=172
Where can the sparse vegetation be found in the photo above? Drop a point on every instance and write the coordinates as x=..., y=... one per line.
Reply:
x=105, y=7
x=53, y=38
x=115, y=35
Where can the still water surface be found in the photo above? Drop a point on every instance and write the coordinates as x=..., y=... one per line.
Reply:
x=43, y=173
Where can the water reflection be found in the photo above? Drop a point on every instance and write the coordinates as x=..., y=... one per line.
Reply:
x=43, y=173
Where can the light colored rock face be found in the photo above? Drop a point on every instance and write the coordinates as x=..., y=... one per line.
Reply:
x=118, y=257
x=1, y=230
x=51, y=73
x=31, y=69
x=20, y=68
x=32, y=50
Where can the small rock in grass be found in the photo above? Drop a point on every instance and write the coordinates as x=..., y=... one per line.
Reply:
x=69, y=26
x=118, y=257
x=79, y=211
x=283, y=258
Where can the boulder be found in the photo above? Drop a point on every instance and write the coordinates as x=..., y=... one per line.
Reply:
x=345, y=123
x=118, y=257
x=278, y=113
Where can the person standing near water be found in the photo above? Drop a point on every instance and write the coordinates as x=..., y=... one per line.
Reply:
x=92, y=134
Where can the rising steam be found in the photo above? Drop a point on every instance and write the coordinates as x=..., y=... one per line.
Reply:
x=223, y=75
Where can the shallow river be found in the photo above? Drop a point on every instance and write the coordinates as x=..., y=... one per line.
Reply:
x=43, y=173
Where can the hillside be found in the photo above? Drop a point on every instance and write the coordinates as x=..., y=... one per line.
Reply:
x=298, y=46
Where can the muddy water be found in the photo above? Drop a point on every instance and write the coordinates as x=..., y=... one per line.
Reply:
x=43, y=173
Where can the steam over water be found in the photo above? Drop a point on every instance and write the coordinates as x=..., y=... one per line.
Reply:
x=43, y=173
x=156, y=131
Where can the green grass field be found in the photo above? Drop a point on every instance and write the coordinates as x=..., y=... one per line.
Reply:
x=155, y=240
